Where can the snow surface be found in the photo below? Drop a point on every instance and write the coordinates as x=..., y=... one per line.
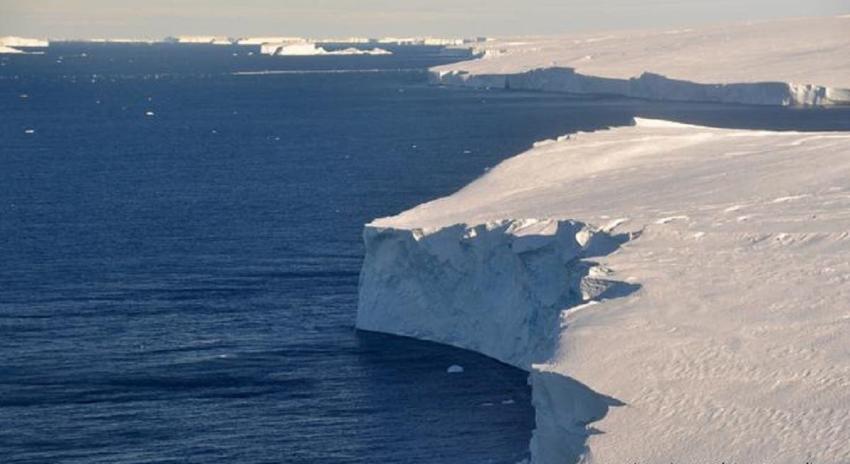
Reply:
x=683, y=296
x=779, y=62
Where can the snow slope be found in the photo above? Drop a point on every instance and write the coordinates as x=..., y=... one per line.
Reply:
x=682, y=296
x=780, y=62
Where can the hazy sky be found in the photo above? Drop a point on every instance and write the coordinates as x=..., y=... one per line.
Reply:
x=159, y=18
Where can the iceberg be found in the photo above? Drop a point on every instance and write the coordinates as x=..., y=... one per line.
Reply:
x=779, y=62
x=677, y=293
x=13, y=45
x=13, y=41
x=203, y=39
x=357, y=51
x=311, y=49
x=9, y=50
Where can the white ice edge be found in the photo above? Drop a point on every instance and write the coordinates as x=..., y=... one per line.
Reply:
x=782, y=62
x=676, y=325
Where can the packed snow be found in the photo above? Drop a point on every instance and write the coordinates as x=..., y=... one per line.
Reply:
x=681, y=296
x=779, y=62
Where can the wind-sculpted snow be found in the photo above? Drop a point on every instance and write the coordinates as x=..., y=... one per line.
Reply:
x=787, y=62
x=686, y=300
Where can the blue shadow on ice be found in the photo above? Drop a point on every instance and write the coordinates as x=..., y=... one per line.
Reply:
x=564, y=409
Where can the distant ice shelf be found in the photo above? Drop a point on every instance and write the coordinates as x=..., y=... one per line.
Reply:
x=780, y=62
x=677, y=293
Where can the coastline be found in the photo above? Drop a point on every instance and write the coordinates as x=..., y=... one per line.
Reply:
x=798, y=62
x=622, y=302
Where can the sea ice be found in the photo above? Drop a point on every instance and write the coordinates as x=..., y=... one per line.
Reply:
x=455, y=369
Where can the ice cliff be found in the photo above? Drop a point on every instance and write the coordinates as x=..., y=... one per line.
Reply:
x=499, y=289
x=786, y=62
x=682, y=299
x=461, y=285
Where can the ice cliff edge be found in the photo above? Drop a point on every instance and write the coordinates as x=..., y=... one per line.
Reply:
x=684, y=299
x=499, y=289
x=781, y=62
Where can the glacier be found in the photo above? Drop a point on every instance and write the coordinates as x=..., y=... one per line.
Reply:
x=801, y=62
x=677, y=293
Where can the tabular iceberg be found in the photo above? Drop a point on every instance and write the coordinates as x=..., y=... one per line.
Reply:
x=18, y=45
x=683, y=298
x=311, y=49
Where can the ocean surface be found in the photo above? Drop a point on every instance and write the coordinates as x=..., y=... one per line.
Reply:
x=180, y=248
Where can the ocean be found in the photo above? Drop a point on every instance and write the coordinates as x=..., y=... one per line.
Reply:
x=180, y=247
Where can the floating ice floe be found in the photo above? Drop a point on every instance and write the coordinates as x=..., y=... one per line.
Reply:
x=455, y=369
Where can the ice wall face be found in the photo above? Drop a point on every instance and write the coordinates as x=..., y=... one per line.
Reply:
x=789, y=62
x=497, y=288
x=649, y=86
x=500, y=289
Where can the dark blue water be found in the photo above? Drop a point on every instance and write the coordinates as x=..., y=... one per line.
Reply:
x=181, y=287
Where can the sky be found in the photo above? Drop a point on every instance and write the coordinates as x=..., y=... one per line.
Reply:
x=372, y=18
